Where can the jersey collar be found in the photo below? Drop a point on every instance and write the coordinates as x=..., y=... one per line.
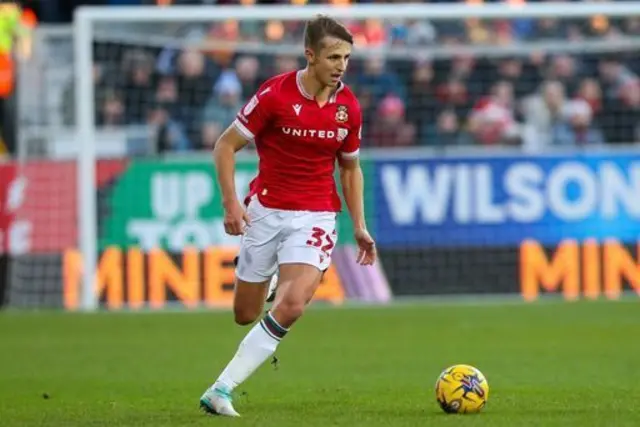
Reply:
x=301, y=88
x=334, y=97
x=306, y=94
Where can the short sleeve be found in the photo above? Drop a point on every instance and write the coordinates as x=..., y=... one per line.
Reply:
x=255, y=114
x=351, y=147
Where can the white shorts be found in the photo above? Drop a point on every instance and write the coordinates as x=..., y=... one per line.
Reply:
x=277, y=237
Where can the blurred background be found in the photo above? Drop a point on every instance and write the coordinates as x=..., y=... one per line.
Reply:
x=567, y=84
x=483, y=101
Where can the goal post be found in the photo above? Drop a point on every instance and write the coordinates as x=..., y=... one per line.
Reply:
x=89, y=21
x=86, y=162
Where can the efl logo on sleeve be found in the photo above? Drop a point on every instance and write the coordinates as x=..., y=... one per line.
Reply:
x=251, y=105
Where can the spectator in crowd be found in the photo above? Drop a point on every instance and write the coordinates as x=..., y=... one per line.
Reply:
x=478, y=31
x=247, y=69
x=221, y=109
x=222, y=35
x=112, y=112
x=550, y=29
x=577, y=129
x=375, y=82
x=565, y=69
x=589, y=90
x=524, y=79
x=621, y=118
x=620, y=115
x=463, y=67
x=542, y=112
x=492, y=122
x=445, y=132
x=286, y=63
x=422, y=105
x=632, y=25
x=139, y=84
x=616, y=76
x=195, y=83
x=413, y=32
x=167, y=94
x=462, y=81
x=369, y=32
x=454, y=94
x=390, y=127
x=170, y=134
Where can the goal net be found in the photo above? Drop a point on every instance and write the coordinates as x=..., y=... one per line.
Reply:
x=472, y=118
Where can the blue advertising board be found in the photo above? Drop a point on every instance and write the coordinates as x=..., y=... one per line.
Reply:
x=502, y=200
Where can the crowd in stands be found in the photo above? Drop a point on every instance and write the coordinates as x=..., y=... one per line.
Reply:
x=533, y=99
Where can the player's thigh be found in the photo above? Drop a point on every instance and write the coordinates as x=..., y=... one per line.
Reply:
x=311, y=242
x=256, y=265
x=257, y=258
x=304, y=255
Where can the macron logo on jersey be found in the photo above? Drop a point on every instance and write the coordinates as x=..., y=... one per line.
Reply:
x=316, y=133
x=297, y=108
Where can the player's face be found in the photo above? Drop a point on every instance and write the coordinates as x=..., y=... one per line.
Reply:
x=330, y=61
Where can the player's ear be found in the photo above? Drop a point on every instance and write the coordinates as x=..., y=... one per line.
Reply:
x=310, y=55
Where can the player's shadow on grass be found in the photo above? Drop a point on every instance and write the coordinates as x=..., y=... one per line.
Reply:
x=512, y=413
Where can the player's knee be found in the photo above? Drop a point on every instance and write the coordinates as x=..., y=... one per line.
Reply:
x=244, y=316
x=289, y=311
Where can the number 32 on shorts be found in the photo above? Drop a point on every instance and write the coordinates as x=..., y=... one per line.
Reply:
x=323, y=240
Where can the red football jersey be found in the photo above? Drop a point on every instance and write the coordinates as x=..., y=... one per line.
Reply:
x=298, y=141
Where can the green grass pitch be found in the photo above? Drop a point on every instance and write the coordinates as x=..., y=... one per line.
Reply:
x=548, y=364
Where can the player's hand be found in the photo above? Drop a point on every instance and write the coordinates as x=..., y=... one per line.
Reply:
x=235, y=218
x=367, y=252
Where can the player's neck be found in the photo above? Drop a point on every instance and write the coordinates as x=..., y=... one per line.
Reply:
x=314, y=87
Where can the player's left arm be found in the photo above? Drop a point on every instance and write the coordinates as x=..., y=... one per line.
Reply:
x=352, y=181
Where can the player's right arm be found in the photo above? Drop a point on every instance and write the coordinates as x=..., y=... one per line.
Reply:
x=230, y=142
x=249, y=122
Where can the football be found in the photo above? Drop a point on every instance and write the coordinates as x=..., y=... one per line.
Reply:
x=462, y=389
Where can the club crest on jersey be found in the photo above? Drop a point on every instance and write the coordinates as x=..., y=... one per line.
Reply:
x=341, y=115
